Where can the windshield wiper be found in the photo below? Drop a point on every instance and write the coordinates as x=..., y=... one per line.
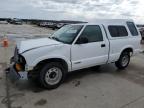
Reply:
x=55, y=38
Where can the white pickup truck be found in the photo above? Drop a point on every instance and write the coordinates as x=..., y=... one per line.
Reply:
x=75, y=47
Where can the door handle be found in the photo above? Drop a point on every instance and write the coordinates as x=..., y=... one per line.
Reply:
x=103, y=45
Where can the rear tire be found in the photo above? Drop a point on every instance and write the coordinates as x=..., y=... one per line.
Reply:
x=52, y=75
x=123, y=61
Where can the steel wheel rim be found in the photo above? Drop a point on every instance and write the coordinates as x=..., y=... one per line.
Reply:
x=53, y=76
x=125, y=60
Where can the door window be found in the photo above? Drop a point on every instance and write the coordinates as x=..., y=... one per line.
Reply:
x=93, y=33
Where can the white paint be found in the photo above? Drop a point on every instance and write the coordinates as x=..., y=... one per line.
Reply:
x=84, y=55
x=34, y=43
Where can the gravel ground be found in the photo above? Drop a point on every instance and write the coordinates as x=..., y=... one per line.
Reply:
x=87, y=88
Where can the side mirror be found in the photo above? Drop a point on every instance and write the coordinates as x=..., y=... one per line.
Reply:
x=82, y=40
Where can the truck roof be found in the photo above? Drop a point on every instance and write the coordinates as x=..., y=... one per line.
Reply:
x=107, y=21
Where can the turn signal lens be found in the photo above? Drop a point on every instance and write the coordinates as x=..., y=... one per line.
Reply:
x=18, y=67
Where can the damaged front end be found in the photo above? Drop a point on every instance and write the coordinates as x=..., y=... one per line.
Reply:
x=17, y=65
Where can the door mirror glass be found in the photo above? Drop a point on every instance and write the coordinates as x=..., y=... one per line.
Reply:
x=82, y=40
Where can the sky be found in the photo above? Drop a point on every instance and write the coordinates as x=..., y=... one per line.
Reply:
x=82, y=10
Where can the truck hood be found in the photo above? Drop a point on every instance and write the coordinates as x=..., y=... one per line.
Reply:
x=35, y=43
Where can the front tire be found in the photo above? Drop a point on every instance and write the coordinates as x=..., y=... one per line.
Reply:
x=123, y=61
x=52, y=75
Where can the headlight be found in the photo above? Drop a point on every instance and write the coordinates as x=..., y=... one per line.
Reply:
x=19, y=61
x=20, y=64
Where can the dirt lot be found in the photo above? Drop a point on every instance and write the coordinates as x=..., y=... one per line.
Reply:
x=17, y=33
x=88, y=88
x=22, y=29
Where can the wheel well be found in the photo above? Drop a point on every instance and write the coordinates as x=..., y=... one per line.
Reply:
x=130, y=50
x=42, y=63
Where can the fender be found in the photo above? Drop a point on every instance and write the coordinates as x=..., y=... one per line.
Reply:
x=36, y=61
x=125, y=47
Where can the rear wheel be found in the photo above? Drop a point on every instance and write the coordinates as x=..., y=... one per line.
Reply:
x=123, y=61
x=52, y=75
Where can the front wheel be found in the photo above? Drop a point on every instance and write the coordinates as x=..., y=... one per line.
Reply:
x=52, y=75
x=123, y=61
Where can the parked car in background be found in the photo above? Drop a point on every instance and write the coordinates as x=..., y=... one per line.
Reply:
x=59, y=25
x=16, y=21
x=51, y=25
x=75, y=47
x=3, y=22
x=48, y=24
x=42, y=24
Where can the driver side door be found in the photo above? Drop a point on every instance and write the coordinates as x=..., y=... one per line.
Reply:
x=91, y=53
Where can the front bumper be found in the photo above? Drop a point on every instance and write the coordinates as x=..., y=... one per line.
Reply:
x=12, y=71
x=13, y=74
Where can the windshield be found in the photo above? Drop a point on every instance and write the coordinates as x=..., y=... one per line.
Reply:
x=67, y=33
